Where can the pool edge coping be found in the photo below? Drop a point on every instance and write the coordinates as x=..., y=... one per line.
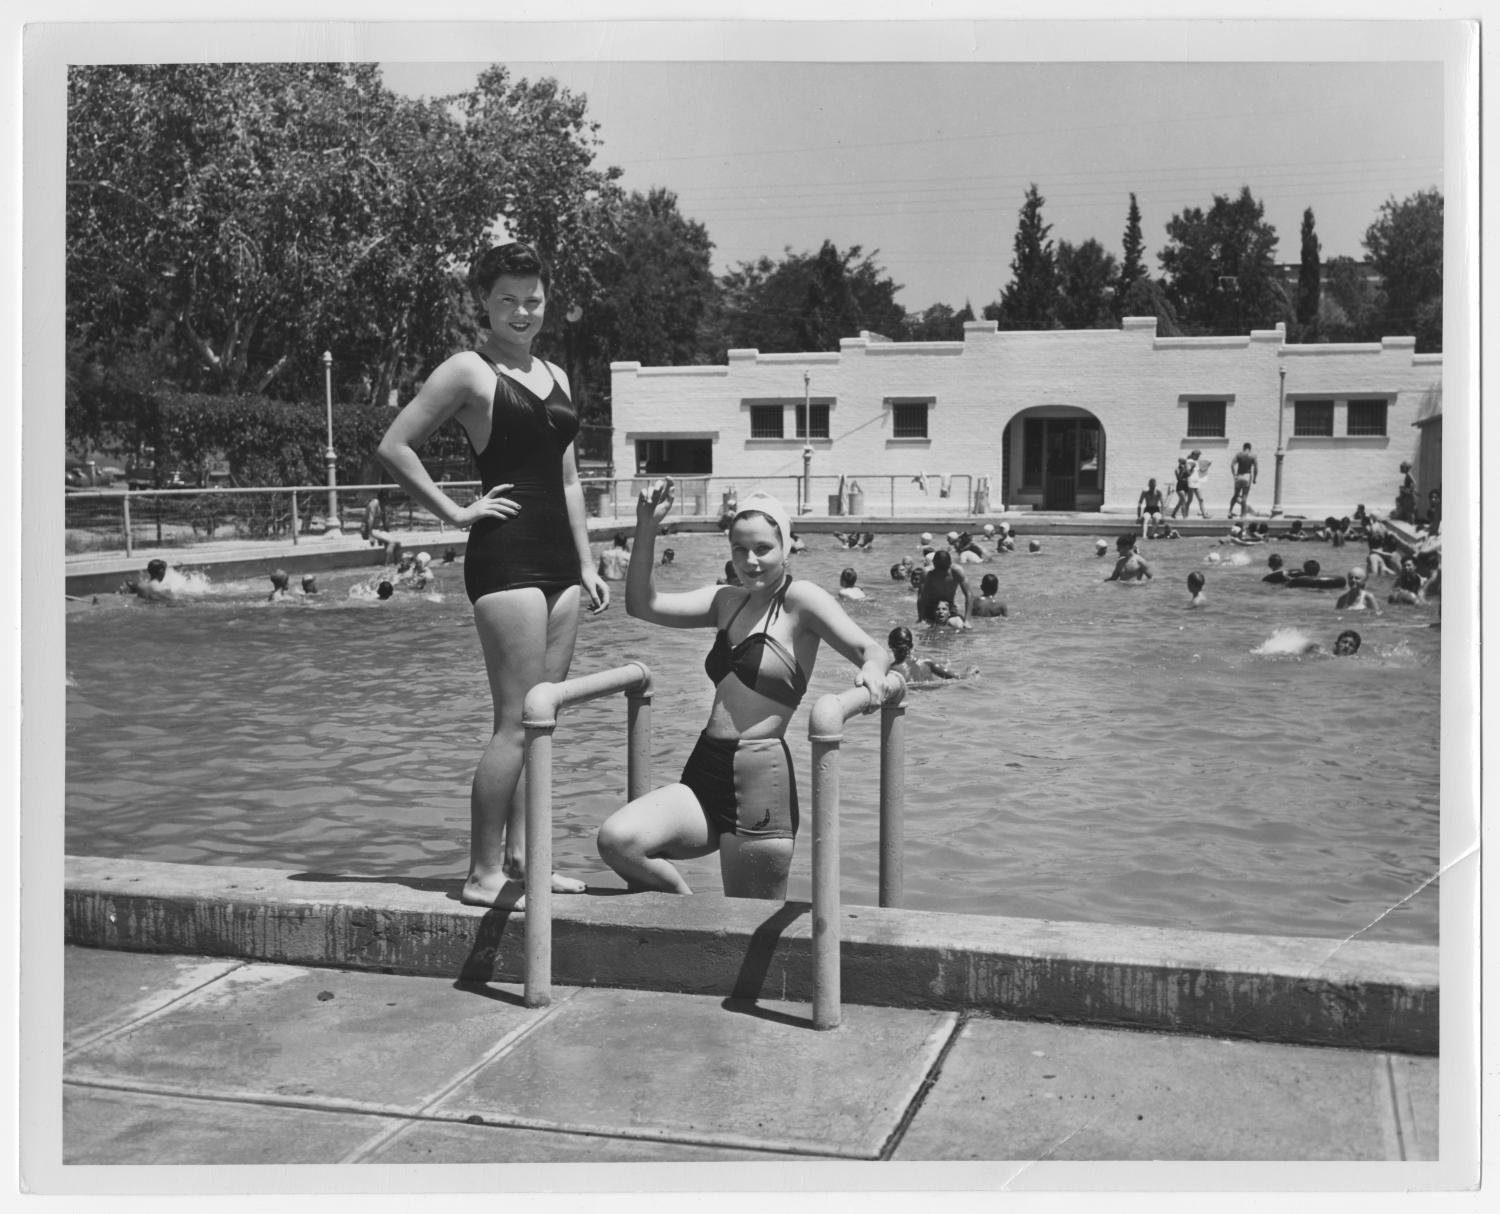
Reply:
x=1353, y=994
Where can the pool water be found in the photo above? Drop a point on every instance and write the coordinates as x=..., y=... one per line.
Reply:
x=1119, y=757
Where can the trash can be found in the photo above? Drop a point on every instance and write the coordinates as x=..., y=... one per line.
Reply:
x=835, y=504
x=856, y=498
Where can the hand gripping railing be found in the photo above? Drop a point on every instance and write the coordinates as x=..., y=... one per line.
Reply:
x=825, y=729
x=539, y=718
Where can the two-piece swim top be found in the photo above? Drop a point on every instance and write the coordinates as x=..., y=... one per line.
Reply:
x=778, y=678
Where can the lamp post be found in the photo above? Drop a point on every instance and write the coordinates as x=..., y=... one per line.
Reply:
x=334, y=525
x=806, y=443
x=1280, y=449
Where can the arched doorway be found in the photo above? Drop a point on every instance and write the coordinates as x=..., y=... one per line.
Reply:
x=1054, y=459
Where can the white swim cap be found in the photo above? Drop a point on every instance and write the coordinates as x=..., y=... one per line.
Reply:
x=764, y=503
x=423, y=557
x=926, y=537
x=989, y=529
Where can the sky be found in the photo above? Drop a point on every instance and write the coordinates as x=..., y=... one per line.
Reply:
x=926, y=164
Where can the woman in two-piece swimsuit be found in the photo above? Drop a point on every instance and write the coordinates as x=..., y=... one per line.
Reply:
x=738, y=793
x=528, y=550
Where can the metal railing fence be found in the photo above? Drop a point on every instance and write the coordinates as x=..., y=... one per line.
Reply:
x=131, y=518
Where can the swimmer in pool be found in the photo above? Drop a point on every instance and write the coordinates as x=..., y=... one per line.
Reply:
x=945, y=617
x=1195, y=583
x=1357, y=598
x=914, y=670
x=153, y=585
x=614, y=560
x=1347, y=644
x=901, y=570
x=738, y=793
x=309, y=583
x=940, y=585
x=384, y=590
x=729, y=577
x=1130, y=566
x=278, y=586
x=1278, y=574
x=668, y=555
x=988, y=605
x=847, y=588
x=1101, y=546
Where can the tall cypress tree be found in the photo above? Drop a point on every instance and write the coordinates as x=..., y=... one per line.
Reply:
x=1029, y=300
x=1309, y=279
x=1133, y=268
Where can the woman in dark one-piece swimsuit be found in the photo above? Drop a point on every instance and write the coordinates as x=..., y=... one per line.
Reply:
x=528, y=551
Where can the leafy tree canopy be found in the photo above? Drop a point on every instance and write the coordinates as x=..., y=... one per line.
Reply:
x=1405, y=244
x=1220, y=267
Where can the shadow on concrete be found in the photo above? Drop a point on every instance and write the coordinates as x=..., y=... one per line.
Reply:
x=452, y=887
x=751, y=979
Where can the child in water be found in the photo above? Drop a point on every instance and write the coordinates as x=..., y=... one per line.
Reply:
x=737, y=794
x=1195, y=584
x=847, y=588
x=988, y=604
x=914, y=670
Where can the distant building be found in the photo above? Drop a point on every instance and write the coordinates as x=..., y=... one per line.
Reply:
x=1065, y=420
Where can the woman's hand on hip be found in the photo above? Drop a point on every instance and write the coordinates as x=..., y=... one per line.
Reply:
x=493, y=504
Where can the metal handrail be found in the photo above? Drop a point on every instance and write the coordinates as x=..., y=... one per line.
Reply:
x=825, y=729
x=539, y=718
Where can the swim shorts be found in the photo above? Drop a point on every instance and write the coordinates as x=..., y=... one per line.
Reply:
x=746, y=788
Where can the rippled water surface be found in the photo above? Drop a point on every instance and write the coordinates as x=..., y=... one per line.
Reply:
x=1119, y=757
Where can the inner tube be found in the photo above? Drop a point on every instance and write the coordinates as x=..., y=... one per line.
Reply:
x=1324, y=581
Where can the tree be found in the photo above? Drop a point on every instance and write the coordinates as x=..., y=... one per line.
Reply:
x=1086, y=279
x=937, y=323
x=655, y=294
x=1147, y=297
x=1405, y=244
x=1133, y=268
x=807, y=301
x=227, y=223
x=1029, y=300
x=1309, y=280
x=1220, y=267
x=1350, y=306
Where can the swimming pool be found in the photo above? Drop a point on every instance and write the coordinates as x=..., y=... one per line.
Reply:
x=1119, y=757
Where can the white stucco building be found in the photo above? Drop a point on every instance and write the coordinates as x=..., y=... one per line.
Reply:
x=1056, y=420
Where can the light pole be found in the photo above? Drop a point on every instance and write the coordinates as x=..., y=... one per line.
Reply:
x=334, y=526
x=806, y=441
x=1280, y=449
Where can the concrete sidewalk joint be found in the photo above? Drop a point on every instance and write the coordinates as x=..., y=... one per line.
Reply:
x=1351, y=994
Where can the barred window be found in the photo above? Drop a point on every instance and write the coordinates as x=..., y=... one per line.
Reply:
x=819, y=426
x=1312, y=419
x=1366, y=419
x=909, y=420
x=766, y=421
x=1205, y=419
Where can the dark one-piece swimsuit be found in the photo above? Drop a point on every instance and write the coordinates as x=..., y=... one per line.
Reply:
x=528, y=438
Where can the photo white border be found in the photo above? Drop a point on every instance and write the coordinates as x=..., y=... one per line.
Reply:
x=804, y=31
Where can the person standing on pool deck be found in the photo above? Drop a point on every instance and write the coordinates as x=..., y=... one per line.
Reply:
x=1245, y=469
x=528, y=549
x=738, y=793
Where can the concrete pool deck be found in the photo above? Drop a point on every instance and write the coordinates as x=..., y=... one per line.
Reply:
x=276, y=1017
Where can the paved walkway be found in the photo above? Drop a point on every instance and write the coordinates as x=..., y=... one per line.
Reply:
x=187, y=1060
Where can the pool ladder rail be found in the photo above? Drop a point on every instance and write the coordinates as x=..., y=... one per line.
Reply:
x=826, y=732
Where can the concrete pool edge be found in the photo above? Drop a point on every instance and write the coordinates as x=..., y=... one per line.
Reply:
x=1352, y=994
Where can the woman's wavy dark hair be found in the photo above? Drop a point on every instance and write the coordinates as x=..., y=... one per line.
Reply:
x=513, y=258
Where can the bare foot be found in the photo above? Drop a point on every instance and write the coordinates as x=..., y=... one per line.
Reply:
x=516, y=871
x=503, y=895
